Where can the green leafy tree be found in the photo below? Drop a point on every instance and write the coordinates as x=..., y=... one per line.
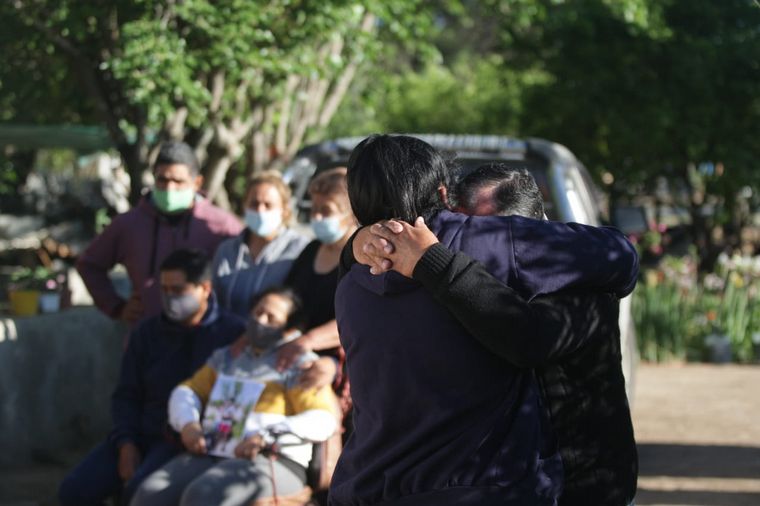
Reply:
x=225, y=76
x=637, y=88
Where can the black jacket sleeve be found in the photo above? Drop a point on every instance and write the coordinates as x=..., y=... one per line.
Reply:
x=525, y=334
x=127, y=399
x=347, y=256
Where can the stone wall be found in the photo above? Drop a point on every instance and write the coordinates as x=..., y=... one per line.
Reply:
x=57, y=372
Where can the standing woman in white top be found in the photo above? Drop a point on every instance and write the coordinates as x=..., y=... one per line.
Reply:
x=262, y=255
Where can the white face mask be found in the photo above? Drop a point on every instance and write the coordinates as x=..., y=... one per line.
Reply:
x=264, y=223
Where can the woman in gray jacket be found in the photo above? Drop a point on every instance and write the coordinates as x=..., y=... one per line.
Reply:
x=262, y=255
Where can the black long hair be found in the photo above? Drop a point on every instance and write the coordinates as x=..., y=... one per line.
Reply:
x=395, y=176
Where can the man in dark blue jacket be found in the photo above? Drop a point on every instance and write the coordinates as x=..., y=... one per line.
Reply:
x=162, y=351
x=438, y=418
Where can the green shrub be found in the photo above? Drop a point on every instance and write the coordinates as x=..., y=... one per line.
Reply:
x=675, y=311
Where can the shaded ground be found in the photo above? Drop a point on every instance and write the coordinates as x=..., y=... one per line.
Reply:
x=698, y=428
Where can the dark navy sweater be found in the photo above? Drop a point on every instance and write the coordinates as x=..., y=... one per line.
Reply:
x=438, y=418
x=160, y=354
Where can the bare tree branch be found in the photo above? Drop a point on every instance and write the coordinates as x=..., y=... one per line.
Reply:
x=340, y=88
x=281, y=137
x=217, y=92
x=201, y=148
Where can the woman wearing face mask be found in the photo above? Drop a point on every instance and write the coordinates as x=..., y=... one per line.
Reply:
x=261, y=256
x=283, y=407
x=315, y=275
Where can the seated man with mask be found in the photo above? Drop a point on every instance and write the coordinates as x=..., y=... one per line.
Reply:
x=162, y=351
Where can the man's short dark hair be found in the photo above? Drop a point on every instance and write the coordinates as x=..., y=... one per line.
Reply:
x=395, y=176
x=515, y=190
x=175, y=152
x=193, y=262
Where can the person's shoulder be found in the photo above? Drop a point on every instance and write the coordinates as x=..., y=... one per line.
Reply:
x=229, y=246
x=145, y=330
x=295, y=240
x=129, y=218
x=310, y=250
x=206, y=211
x=230, y=320
x=218, y=358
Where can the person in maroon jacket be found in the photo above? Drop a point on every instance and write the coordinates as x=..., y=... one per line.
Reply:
x=172, y=216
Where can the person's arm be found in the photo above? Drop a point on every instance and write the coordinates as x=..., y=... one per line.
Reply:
x=525, y=334
x=533, y=257
x=550, y=256
x=128, y=396
x=347, y=258
x=95, y=263
x=316, y=415
x=185, y=405
x=317, y=373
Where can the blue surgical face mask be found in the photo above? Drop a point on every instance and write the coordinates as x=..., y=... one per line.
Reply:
x=264, y=223
x=329, y=230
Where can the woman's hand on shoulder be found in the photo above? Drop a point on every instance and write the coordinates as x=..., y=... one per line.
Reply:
x=318, y=373
x=290, y=353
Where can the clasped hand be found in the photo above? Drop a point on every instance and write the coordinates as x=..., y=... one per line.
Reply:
x=393, y=245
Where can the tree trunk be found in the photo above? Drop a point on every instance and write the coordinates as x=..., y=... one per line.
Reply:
x=217, y=165
x=136, y=165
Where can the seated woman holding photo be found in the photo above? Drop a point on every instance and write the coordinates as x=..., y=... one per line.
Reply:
x=283, y=406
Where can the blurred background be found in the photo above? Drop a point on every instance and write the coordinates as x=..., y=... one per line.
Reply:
x=659, y=99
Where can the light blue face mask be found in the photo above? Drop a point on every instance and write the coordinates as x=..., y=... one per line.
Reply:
x=328, y=230
x=264, y=223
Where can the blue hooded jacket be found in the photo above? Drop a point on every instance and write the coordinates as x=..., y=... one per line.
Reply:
x=160, y=354
x=438, y=419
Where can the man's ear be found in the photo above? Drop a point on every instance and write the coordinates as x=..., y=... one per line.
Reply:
x=198, y=183
x=444, y=194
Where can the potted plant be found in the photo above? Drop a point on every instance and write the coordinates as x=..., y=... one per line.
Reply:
x=23, y=291
x=30, y=289
x=50, y=297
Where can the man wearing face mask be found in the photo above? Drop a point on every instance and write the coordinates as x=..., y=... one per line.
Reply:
x=162, y=351
x=172, y=216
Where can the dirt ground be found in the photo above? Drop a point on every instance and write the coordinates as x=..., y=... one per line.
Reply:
x=698, y=429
